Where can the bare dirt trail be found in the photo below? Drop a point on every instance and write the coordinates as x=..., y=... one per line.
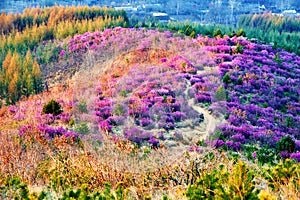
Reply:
x=210, y=122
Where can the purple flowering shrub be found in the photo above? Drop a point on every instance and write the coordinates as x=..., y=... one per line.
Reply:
x=137, y=135
x=45, y=131
x=152, y=102
x=33, y=123
x=182, y=64
x=295, y=156
x=263, y=94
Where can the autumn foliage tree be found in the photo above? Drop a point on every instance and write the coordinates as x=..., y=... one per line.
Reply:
x=51, y=16
x=283, y=31
x=19, y=77
x=21, y=35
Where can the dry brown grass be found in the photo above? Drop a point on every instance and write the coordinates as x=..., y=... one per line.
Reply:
x=122, y=64
x=63, y=163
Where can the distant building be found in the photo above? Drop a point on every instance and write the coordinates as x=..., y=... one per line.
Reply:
x=290, y=13
x=126, y=8
x=162, y=17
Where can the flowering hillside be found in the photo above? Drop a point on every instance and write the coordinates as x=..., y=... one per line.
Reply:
x=262, y=87
x=155, y=114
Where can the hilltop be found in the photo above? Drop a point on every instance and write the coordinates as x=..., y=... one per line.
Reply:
x=147, y=113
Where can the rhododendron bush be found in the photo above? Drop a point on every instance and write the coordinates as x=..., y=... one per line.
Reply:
x=262, y=86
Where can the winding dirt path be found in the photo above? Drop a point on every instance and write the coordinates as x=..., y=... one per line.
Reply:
x=210, y=121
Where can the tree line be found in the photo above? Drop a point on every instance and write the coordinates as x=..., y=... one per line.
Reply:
x=51, y=16
x=270, y=22
x=282, y=31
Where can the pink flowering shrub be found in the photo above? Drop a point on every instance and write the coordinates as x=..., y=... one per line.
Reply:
x=260, y=96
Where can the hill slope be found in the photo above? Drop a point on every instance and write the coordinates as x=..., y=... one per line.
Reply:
x=148, y=110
